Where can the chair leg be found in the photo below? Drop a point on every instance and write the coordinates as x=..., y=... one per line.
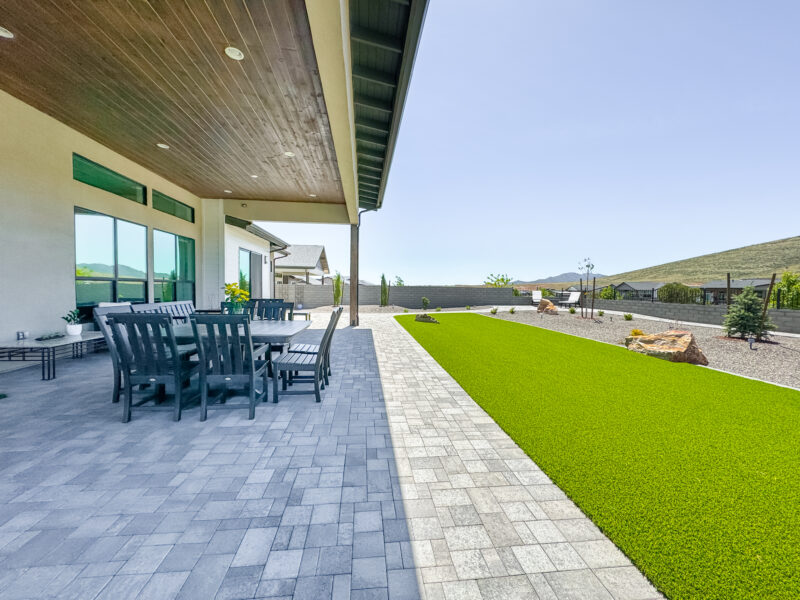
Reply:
x=284, y=379
x=316, y=387
x=117, y=385
x=252, y=397
x=178, y=399
x=275, y=386
x=203, y=401
x=126, y=403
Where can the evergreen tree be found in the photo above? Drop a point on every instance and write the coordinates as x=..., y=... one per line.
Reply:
x=384, y=291
x=744, y=317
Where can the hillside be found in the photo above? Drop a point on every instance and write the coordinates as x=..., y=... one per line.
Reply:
x=758, y=260
x=571, y=276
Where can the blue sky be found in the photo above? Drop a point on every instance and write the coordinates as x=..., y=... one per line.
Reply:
x=538, y=132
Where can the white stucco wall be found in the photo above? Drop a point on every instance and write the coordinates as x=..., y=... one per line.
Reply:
x=37, y=200
x=236, y=238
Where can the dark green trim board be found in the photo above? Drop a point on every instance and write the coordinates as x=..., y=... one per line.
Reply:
x=384, y=36
x=172, y=207
x=96, y=175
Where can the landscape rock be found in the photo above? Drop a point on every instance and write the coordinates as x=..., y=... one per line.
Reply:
x=674, y=345
x=425, y=318
x=545, y=306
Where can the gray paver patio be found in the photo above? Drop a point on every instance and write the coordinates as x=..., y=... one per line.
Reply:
x=397, y=486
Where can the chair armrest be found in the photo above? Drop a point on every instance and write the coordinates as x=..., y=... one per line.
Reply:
x=260, y=351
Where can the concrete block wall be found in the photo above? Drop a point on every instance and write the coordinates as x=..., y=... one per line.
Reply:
x=312, y=296
x=786, y=320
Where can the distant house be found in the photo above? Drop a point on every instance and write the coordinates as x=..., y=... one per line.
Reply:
x=717, y=289
x=639, y=290
x=249, y=255
x=577, y=288
x=302, y=264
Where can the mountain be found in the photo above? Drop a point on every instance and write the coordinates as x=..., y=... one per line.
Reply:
x=758, y=260
x=124, y=270
x=571, y=276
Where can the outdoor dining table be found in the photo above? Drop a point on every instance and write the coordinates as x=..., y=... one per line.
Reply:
x=45, y=350
x=262, y=332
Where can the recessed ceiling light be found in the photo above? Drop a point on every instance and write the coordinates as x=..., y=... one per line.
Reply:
x=312, y=195
x=227, y=191
x=5, y=33
x=289, y=154
x=234, y=53
x=244, y=205
x=254, y=176
x=162, y=145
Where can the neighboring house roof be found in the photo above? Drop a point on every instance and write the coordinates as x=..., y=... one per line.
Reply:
x=641, y=286
x=737, y=284
x=303, y=257
x=275, y=242
x=577, y=288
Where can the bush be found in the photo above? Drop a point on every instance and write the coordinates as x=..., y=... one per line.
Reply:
x=628, y=317
x=337, y=289
x=609, y=293
x=493, y=310
x=425, y=302
x=515, y=291
x=637, y=332
x=405, y=310
x=469, y=307
x=572, y=310
x=547, y=293
x=789, y=289
x=384, y=291
x=512, y=310
x=744, y=316
x=600, y=313
x=677, y=293
x=438, y=309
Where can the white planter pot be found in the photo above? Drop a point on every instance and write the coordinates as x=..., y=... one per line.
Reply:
x=74, y=329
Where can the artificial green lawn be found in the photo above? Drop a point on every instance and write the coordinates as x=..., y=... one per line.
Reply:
x=693, y=473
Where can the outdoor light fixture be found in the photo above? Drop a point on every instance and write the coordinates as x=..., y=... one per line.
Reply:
x=5, y=33
x=254, y=176
x=234, y=53
x=288, y=154
x=244, y=204
x=227, y=191
x=751, y=340
x=162, y=145
x=312, y=195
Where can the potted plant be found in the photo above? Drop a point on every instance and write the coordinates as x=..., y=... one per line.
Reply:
x=73, y=319
x=237, y=296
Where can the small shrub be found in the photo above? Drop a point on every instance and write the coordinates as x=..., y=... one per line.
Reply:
x=572, y=310
x=405, y=310
x=425, y=302
x=744, y=316
x=600, y=313
x=469, y=307
x=609, y=293
x=628, y=317
x=438, y=309
x=512, y=310
x=493, y=310
x=637, y=332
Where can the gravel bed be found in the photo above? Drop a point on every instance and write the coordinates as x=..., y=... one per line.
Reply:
x=777, y=361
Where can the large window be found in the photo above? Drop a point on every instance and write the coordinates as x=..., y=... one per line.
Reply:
x=110, y=259
x=173, y=259
x=173, y=207
x=250, y=271
x=244, y=269
x=98, y=176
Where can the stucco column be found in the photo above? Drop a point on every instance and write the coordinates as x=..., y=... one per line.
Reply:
x=211, y=268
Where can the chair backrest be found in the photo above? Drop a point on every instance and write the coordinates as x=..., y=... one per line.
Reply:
x=263, y=305
x=277, y=311
x=110, y=304
x=288, y=311
x=145, y=343
x=221, y=345
x=244, y=308
x=101, y=319
x=180, y=309
x=536, y=295
x=148, y=307
x=327, y=337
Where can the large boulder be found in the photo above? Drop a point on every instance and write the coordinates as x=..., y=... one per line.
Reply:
x=545, y=306
x=673, y=345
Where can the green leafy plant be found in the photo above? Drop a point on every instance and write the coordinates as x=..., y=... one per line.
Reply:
x=384, y=291
x=678, y=293
x=493, y=310
x=438, y=309
x=405, y=310
x=789, y=289
x=628, y=317
x=468, y=307
x=609, y=293
x=514, y=292
x=499, y=280
x=338, y=287
x=547, y=293
x=600, y=313
x=636, y=332
x=73, y=317
x=425, y=302
x=572, y=310
x=398, y=281
x=744, y=316
x=512, y=310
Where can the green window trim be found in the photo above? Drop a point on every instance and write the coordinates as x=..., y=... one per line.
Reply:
x=169, y=205
x=96, y=175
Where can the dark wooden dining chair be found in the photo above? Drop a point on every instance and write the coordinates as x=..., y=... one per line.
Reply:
x=245, y=308
x=294, y=364
x=150, y=356
x=101, y=319
x=228, y=362
x=263, y=303
x=315, y=348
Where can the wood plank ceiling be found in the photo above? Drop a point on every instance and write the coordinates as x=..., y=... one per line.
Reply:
x=133, y=73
